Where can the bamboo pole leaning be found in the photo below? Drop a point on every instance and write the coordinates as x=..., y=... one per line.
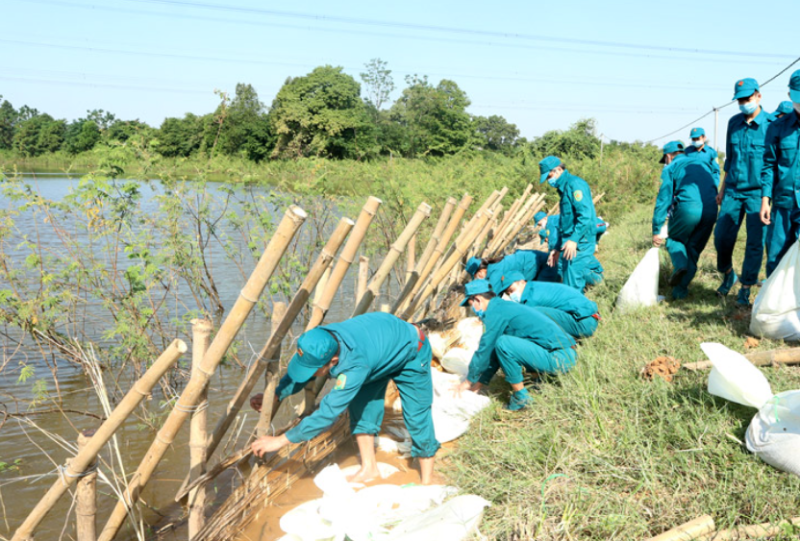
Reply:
x=510, y=223
x=86, y=455
x=413, y=279
x=756, y=531
x=431, y=264
x=276, y=337
x=86, y=496
x=395, y=251
x=525, y=217
x=248, y=297
x=486, y=206
x=346, y=259
x=198, y=433
x=363, y=277
x=515, y=224
x=462, y=244
x=758, y=358
x=688, y=531
x=273, y=374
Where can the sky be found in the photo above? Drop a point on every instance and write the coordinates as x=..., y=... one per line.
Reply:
x=640, y=69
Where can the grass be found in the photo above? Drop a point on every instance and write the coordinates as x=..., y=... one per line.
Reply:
x=604, y=454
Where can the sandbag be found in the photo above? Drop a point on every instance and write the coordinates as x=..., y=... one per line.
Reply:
x=438, y=344
x=735, y=378
x=641, y=289
x=776, y=310
x=451, y=414
x=456, y=360
x=456, y=520
x=470, y=331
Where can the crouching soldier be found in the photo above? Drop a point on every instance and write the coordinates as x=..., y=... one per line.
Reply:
x=566, y=306
x=363, y=354
x=515, y=337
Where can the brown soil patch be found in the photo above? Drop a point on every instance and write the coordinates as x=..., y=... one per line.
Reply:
x=664, y=367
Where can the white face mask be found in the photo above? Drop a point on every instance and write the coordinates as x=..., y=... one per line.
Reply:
x=796, y=108
x=698, y=143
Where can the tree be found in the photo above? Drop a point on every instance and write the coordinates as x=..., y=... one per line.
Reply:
x=434, y=118
x=321, y=114
x=179, y=137
x=579, y=141
x=81, y=136
x=102, y=119
x=241, y=127
x=378, y=84
x=8, y=121
x=123, y=130
x=39, y=134
x=496, y=133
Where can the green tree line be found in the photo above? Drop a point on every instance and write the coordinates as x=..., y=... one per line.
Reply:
x=326, y=113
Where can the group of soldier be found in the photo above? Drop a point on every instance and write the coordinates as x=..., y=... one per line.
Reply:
x=760, y=188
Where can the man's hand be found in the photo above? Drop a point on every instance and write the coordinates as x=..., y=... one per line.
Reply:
x=459, y=388
x=553, y=259
x=765, y=211
x=657, y=240
x=719, y=197
x=256, y=401
x=570, y=250
x=268, y=444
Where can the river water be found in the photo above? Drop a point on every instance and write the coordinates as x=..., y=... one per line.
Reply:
x=31, y=446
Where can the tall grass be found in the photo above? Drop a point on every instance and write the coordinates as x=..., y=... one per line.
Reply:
x=605, y=455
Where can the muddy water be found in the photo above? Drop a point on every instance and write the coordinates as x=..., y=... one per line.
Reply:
x=33, y=448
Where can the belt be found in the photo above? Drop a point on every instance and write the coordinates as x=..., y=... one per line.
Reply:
x=596, y=316
x=421, y=338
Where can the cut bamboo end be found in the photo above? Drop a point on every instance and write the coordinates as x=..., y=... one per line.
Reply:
x=689, y=531
x=296, y=211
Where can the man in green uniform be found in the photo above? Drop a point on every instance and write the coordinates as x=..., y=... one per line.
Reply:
x=577, y=223
x=515, y=337
x=700, y=146
x=687, y=190
x=363, y=354
x=568, y=308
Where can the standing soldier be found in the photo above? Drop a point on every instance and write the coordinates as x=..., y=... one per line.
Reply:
x=688, y=188
x=740, y=191
x=783, y=109
x=699, y=140
x=577, y=224
x=363, y=354
x=780, y=180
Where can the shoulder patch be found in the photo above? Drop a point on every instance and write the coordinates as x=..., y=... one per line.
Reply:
x=340, y=382
x=578, y=195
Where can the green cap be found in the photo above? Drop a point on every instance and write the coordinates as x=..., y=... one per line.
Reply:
x=744, y=88
x=473, y=265
x=547, y=165
x=506, y=280
x=672, y=146
x=539, y=216
x=475, y=287
x=784, y=108
x=794, y=87
x=315, y=349
x=697, y=133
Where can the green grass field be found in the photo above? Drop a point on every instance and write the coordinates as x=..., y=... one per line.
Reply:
x=604, y=454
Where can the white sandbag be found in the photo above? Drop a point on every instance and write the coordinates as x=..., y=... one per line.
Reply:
x=735, y=378
x=641, y=289
x=774, y=433
x=385, y=470
x=776, y=310
x=438, y=344
x=305, y=522
x=456, y=520
x=470, y=331
x=663, y=234
x=451, y=414
x=456, y=360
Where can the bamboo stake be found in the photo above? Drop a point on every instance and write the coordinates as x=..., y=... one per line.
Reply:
x=373, y=289
x=411, y=255
x=515, y=224
x=537, y=203
x=346, y=258
x=463, y=243
x=88, y=453
x=248, y=297
x=510, y=223
x=756, y=531
x=198, y=433
x=323, y=282
x=689, y=531
x=86, y=496
x=758, y=358
x=426, y=255
x=463, y=205
x=470, y=223
x=276, y=338
x=363, y=277
x=479, y=240
x=272, y=376
x=385, y=307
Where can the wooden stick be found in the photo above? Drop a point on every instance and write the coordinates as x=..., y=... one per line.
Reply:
x=758, y=358
x=272, y=376
x=363, y=277
x=757, y=531
x=198, y=433
x=346, y=258
x=527, y=214
x=411, y=257
x=426, y=255
x=494, y=246
x=395, y=251
x=323, y=282
x=689, y=531
x=86, y=496
x=88, y=453
x=248, y=297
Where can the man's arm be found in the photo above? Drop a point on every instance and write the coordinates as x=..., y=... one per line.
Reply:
x=663, y=200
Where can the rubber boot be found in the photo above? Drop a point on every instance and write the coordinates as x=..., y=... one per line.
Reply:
x=744, y=296
x=519, y=400
x=727, y=283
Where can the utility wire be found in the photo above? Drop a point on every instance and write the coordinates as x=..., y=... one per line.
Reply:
x=765, y=83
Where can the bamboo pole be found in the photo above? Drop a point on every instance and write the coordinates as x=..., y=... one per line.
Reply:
x=272, y=376
x=88, y=453
x=346, y=259
x=411, y=256
x=479, y=240
x=276, y=338
x=524, y=218
x=426, y=255
x=502, y=233
x=514, y=208
x=758, y=358
x=455, y=219
x=323, y=282
x=248, y=297
x=198, y=433
x=373, y=289
x=493, y=197
x=462, y=244
x=363, y=277
x=385, y=307
x=86, y=496
x=756, y=531
x=689, y=531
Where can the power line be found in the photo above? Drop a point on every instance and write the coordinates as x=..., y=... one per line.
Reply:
x=765, y=83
